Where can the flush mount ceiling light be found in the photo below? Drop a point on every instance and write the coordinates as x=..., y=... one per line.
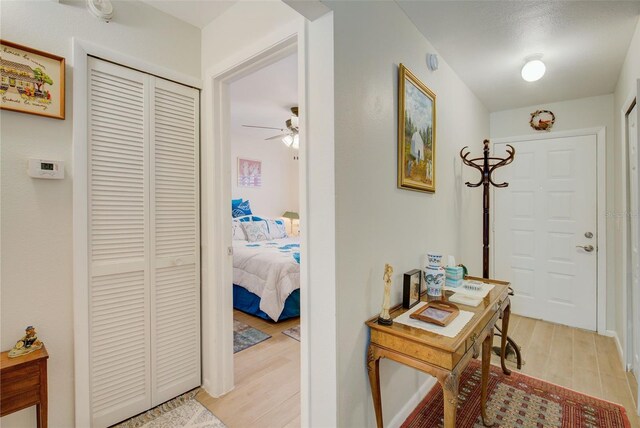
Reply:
x=101, y=9
x=533, y=70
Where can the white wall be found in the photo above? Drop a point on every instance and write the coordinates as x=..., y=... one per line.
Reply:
x=377, y=223
x=626, y=87
x=592, y=112
x=279, y=190
x=37, y=214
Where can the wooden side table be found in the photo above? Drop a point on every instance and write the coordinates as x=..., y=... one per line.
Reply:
x=442, y=357
x=23, y=383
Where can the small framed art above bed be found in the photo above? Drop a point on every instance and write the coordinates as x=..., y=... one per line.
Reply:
x=266, y=266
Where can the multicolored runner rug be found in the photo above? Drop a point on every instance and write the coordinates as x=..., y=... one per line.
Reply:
x=183, y=411
x=245, y=336
x=518, y=401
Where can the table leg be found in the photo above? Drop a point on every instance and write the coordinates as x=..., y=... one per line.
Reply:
x=373, y=366
x=43, y=407
x=486, y=367
x=503, y=342
x=450, y=392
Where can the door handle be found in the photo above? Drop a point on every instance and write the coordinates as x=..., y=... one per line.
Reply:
x=587, y=248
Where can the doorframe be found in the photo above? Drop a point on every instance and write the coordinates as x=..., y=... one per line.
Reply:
x=82, y=49
x=314, y=44
x=601, y=210
x=628, y=324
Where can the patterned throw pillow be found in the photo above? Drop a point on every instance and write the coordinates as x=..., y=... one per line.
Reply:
x=237, y=232
x=256, y=230
x=242, y=209
x=277, y=229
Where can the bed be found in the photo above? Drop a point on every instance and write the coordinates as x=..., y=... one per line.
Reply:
x=266, y=277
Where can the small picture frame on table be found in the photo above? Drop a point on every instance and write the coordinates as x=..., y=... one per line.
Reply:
x=412, y=288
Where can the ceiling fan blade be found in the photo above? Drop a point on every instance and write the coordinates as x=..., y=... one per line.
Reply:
x=276, y=137
x=262, y=127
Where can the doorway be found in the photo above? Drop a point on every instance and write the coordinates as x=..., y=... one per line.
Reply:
x=633, y=242
x=547, y=237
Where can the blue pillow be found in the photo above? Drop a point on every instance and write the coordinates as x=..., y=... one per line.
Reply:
x=243, y=209
x=249, y=218
x=235, y=203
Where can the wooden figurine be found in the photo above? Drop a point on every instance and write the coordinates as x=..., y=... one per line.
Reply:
x=27, y=344
x=385, y=317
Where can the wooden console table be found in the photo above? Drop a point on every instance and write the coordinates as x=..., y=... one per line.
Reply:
x=23, y=383
x=441, y=356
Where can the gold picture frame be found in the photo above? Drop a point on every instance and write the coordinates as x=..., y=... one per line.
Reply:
x=416, y=133
x=31, y=81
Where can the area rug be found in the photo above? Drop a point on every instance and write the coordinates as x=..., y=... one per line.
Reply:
x=183, y=411
x=518, y=401
x=245, y=336
x=293, y=332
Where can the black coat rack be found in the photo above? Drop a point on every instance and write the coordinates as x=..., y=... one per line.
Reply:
x=487, y=165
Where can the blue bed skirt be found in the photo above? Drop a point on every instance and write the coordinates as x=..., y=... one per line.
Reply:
x=246, y=301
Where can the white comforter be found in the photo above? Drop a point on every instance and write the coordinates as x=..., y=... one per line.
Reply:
x=268, y=269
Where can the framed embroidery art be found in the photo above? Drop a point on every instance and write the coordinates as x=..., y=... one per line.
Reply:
x=31, y=81
x=416, y=133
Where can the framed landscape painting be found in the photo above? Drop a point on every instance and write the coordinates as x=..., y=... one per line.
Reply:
x=31, y=81
x=416, y=133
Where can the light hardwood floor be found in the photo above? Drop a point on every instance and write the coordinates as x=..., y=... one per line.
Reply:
x=267, y=375
x=577, y=359
x=267, y=379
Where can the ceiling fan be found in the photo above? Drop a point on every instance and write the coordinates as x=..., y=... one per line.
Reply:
x=289, y=135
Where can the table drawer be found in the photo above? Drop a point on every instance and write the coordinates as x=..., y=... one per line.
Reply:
x=18, y=385
x=19, y=401
x=19, y=373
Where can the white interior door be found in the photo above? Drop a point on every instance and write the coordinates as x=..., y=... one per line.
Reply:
x=119, y=323
x=545, y=229
x=144, y=241
x=634, y=241
x=175, y=240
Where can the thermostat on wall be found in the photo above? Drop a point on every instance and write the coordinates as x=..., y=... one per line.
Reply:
x=40, y=168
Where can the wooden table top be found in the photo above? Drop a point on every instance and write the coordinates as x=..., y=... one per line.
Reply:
x=6, y=362
x=448, y=344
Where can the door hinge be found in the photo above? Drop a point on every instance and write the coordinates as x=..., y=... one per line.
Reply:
x=230, y=251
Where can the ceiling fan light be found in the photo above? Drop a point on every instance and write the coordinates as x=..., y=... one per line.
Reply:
x=296, y=142
x=533, y=70
x=288, y=140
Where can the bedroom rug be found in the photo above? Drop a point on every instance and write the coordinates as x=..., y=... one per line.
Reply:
x=293, y=332
x=183, y=411
x=245, y=336
x=518, y=401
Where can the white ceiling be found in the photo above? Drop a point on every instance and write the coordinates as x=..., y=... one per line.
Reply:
x=584, y=44
x=196, y=12
x=264, y=98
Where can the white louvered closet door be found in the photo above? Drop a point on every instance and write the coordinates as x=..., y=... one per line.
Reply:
x=175, y=241
x=143, y=241
x=119, y=288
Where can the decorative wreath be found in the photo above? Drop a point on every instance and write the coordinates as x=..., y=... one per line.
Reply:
x=542, y=120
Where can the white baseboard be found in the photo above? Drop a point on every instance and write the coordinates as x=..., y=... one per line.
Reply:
x=612, y=333
x=412, y=403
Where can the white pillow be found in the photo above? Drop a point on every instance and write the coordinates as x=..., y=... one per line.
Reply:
x=237, y=232
x=256, y=230
x=277, y=229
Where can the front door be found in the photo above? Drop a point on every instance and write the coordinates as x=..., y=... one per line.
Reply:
x=545, y=229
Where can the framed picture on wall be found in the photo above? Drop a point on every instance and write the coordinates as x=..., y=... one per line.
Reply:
x=31, y=81
x=412, y=288
x=249, y=173
x=416, y=133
